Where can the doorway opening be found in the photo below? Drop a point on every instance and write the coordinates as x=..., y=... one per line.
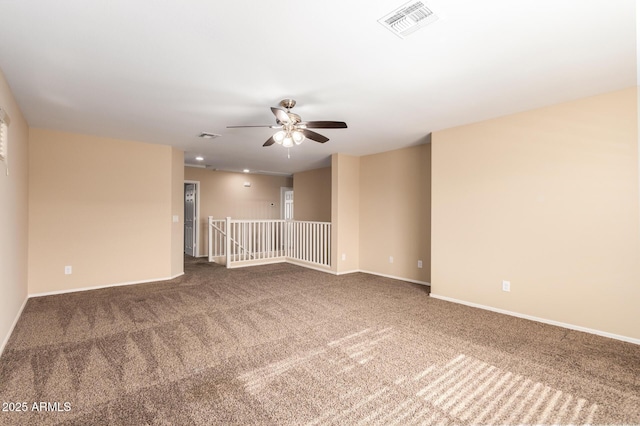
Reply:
x=286, y=203
x=192, y=218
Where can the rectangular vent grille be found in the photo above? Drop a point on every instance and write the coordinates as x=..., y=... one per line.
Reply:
x=208, y=135
x=408, y=18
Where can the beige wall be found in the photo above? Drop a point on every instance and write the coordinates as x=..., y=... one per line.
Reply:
x=223, y=194
x=547, y=199
x=102, y=206
x=345, y=212
x=13, y=216
x=312, y=195
x=395, y=213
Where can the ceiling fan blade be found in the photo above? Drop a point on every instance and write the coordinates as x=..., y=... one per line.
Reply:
x=269, y=142
x=281, y=115
x=240, y=127
x=324, y=124
x=314, y=136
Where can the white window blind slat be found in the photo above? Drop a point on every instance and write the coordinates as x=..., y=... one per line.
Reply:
x=3, y=141
x=4, y=136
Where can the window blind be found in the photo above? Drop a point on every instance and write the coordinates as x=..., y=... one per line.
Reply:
x=4, y=136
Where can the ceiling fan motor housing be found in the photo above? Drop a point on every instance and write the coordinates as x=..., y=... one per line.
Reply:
x=287, y=103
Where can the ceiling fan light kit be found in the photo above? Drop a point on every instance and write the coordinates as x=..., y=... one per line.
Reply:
x=288, y=138
x=292, y=130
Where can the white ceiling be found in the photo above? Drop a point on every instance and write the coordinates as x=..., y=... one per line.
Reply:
x=164, y=71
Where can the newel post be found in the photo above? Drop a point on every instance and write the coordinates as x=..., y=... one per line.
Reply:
x=210, y=238
x=227, y=241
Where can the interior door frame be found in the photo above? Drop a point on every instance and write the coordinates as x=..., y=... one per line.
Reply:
x=197, y=221
x=284, y=189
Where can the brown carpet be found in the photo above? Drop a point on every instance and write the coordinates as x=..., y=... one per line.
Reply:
x=280, y=344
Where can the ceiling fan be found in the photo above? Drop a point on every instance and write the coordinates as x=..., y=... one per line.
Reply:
x=292, y=129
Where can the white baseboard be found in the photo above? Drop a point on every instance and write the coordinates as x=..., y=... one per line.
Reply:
x=329, y=271
x=15, y=321
x=393, y=277
x=542, y=320
x=347, y=272
x=320, y=268
x=74, y=290
x=396, y=278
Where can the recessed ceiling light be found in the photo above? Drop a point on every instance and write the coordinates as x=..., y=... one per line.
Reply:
x=246, y=170
x=199, y=158
x=208, y=135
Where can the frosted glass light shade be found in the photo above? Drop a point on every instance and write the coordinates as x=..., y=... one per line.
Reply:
x=298, y=137
x=279, y=136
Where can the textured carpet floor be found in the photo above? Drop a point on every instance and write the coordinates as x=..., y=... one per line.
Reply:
x=280, y=344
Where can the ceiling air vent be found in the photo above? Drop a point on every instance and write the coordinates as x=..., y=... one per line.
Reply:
x=208, y=135
x=408, y=18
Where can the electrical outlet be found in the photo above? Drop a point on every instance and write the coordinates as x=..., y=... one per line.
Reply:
x=67, y=270
x=344, y=256
x=419, y=263
x=506, y=286
x=390, y=259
